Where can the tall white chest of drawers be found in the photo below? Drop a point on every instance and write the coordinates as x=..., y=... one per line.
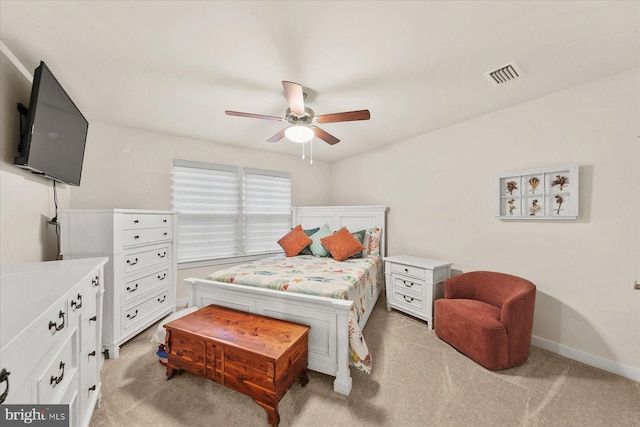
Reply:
x=50, y=326
x=140, y=277
x=414, y=283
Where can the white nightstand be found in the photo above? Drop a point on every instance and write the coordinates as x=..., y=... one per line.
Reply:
x=414, y=283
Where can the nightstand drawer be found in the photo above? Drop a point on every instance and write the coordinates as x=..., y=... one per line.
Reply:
x=403, y=284
x=408, y=270
x=408, y=302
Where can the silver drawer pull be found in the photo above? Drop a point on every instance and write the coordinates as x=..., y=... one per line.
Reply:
x=164, y=276
x=134, y=262
x=53, y=324
x=132, y=289
x=54, y=381
x=129, y=316
x=163, y=299
x=407, y=299
x=163, y=254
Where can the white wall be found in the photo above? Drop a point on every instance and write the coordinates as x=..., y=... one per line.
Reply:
x=122, y=164
x=131, y=169
x=26, y=200
x=440, y=188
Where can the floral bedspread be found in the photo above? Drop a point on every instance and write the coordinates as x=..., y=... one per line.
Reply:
x=354, y=279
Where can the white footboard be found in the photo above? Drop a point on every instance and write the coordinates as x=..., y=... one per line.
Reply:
x=327, y=317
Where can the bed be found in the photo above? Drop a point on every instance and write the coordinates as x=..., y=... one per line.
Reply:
x=329, y=318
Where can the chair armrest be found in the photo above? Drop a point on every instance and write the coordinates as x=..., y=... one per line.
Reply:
x=517, y=317
x=517, y=310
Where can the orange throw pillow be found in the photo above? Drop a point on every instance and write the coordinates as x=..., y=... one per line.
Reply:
x=294, y=241
x=342, y=244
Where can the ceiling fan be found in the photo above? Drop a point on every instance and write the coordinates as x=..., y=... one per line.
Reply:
x=302, y=119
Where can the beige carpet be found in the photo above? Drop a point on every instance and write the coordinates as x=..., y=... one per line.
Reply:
x=417, y=380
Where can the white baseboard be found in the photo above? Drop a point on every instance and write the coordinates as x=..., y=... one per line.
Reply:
x=182, y=303
x=587, y=358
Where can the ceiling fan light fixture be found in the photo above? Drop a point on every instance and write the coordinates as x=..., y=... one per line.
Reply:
x=302, y=119
x=299, y=133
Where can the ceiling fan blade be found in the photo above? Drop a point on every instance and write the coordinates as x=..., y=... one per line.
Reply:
x=295, y=97
x=278, y=136
x=325, y=136
x=344, y=117
x=253, y=116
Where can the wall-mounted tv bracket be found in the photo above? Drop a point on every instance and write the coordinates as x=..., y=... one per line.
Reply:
x=24, y=112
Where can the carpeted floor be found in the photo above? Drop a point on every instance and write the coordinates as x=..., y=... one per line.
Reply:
x=417, y=380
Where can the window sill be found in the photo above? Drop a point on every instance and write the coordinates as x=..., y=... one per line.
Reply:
x=230, y=260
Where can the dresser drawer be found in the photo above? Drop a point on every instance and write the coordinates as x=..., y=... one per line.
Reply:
x=72, y=398
x=90, y=381
x=408, y=302
x=136, y=314
x=137, y=221
x=30, y=346
x=89, y=324
x=146, y=235
x=59, y=372
x=408, y=284
x=133, y=289
x=91, y=285
x=144, y=258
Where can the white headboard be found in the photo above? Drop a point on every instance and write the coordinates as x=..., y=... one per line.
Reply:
x=353, y=217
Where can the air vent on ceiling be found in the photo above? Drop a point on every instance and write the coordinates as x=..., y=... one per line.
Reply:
x=504, y=74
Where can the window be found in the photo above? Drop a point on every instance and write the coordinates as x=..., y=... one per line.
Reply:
x=229, y=211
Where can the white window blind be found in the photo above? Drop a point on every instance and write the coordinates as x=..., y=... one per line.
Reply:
x=267, y=210
x=229, y=211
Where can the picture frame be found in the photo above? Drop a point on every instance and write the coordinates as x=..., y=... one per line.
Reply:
x=544, y=193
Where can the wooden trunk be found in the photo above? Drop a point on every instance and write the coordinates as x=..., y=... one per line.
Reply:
x=255, y=355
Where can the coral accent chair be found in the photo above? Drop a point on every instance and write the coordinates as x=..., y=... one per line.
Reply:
x=488, y=317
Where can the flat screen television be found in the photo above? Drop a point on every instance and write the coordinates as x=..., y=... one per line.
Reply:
x=54, y=134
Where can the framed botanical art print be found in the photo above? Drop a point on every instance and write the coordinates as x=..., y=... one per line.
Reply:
x=546, y=193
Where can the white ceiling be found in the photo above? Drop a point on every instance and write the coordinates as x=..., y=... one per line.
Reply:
x=175, y=66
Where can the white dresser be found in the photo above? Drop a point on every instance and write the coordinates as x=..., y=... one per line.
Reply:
x=50, y=335
x=140, y=277
x=414, y=283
